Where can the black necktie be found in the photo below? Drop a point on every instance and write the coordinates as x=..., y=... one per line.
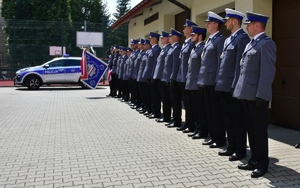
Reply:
x=208, y=41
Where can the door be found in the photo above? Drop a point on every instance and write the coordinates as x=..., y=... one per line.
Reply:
x=286, y=86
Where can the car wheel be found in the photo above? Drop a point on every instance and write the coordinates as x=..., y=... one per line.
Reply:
x=33, y=83
x=84, y=86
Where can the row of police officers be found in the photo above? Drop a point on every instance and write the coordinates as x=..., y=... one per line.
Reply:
x=224, y=83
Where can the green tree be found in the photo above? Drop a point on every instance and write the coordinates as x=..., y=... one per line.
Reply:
x=34, y=25
x=120, y=35
x=32, y=28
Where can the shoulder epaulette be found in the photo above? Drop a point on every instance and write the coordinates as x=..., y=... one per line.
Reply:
x=267, y=37
x=244, y=33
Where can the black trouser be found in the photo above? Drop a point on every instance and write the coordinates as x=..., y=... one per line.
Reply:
x=114, y=84
x=136, y=92
x=175, y=96
x=257, y=121
x=189, y=116
x=214, y=115
x=132, y=90
x=120, y=87
x=235, y=124
x=126, y=89
x=142, y=93
x=166, y=101
x=155, y=98
x=147, y=93
x=198, y=108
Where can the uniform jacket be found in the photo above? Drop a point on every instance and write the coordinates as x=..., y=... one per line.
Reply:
x=115, y=62
x=140, y=77
x=184, y=58
x=230, y=61
x=211, y=60
x=137, y=63
x=172, y=63
x=126, y=67
x=257, y=70
x=151, y=62
x=122, y=60
x=161, y=61
x=194, y=64
x=132, y=58
x=110, y=61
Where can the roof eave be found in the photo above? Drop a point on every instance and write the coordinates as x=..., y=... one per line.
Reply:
x=137, y=9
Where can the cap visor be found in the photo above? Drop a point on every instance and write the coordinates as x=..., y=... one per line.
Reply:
x=247, y=22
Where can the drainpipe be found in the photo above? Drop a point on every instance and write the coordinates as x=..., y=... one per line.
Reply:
x=187, y=9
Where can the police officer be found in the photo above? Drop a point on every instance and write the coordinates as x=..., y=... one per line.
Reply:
x=170, y=71
x=254, y=88
x=139, y=100
x=109, y=73
x=163, y=89
x=227, y=77
x=207, y=78
x=121, y=63
x=126, y=78
x=186, y=49
x=114, y=71
x=144, y=82
x=132, y=82
x=193, y=96
x=148, y=74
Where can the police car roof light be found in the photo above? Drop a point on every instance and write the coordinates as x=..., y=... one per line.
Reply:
x=66, y=55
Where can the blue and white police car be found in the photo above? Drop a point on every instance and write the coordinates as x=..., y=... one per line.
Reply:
x=61, y=70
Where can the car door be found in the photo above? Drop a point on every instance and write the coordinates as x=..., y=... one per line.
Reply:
x=54, y=72
x=72, y=70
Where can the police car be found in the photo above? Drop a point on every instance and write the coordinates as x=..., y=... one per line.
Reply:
x=62, y=70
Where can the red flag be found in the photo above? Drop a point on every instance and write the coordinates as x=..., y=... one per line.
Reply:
x=83, y=66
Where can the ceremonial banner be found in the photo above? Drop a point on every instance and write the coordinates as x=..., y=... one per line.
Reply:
x=92, y=69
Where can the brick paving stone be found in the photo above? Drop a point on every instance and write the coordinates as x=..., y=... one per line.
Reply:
x=80, y=140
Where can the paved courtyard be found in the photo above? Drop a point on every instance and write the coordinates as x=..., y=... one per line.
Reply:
x=70, y=137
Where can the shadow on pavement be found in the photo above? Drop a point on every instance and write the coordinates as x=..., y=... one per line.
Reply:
x=280, y=174
x=284, y=135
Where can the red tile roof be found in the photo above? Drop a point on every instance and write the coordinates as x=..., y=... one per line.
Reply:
x=134, y=11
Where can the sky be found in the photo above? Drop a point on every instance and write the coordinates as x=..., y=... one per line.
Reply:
x=112, y=4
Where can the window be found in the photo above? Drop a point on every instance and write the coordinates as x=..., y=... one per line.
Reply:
x=151, y=19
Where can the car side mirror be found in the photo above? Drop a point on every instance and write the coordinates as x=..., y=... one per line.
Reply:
x=46, y=66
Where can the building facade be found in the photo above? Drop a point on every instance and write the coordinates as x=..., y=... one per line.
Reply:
x=161, y=15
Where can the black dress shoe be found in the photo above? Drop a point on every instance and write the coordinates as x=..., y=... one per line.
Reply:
x=161, y=120
x=143, y=111
x=193, y=134
x=209, y=142
x=147, y=113
x=225, y=153
x=235, y=157
x=217, y=145
x=173, y=125
x=169, y=123
x=246, y=166
x=297, y=145
x=140, y=109
x=181, y=128
x=153, y=116
x=258, y=173
x=187, y=130
x=199, y=136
